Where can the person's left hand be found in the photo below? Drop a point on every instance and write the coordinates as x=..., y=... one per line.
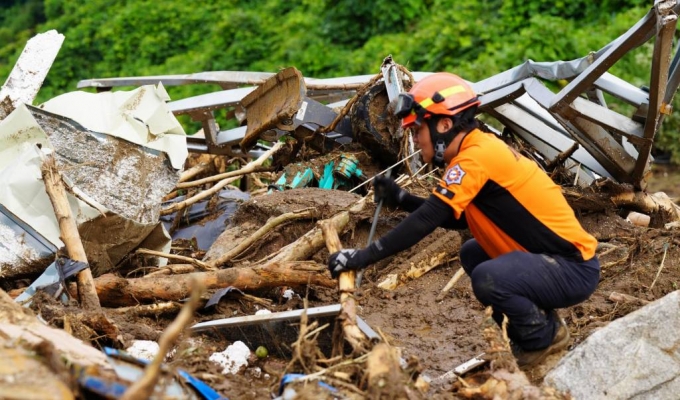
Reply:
x=345, y=260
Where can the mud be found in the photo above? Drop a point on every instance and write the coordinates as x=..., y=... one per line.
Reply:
x=443, y=334
x=439, y=334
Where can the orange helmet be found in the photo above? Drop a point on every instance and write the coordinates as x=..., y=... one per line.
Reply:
x=437, y=94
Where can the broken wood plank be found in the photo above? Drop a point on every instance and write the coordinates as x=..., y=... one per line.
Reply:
x=69, y=231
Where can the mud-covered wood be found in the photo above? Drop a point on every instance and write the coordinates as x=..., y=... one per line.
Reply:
x=115, y=291
x=434, y=255
x=348, y=314
x=608, y=194
x=271, y=224
x=248, y=168
x=617, y=297
x=69, y=231
x=385, y=377
x=313, y=241
x=20, y=326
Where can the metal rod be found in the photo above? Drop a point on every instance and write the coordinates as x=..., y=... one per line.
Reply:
x=385, y=170
x=374, y=225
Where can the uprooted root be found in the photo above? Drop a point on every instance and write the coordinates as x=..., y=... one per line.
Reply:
x=504, y=380
x=374, y=375
x=306, y=351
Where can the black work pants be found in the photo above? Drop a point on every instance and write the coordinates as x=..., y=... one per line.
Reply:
x=526, y=288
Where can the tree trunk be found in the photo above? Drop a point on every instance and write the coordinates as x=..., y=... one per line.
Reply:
x=115, y=291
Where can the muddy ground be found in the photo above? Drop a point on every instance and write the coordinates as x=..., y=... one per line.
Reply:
x=441, y=332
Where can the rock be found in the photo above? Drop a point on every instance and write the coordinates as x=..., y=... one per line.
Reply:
x=637, y=356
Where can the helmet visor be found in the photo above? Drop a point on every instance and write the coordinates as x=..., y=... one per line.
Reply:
x=405, y=105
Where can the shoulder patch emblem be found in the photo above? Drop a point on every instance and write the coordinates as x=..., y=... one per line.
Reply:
x=454, y=175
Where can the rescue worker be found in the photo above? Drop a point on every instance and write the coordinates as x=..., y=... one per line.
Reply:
x=529, y=254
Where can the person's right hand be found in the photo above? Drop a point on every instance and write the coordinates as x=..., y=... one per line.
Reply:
x=388, y=190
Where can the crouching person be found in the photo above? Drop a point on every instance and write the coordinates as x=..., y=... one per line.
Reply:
x=529, y=256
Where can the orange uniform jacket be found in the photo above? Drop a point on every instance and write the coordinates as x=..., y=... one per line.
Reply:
x=510, y=203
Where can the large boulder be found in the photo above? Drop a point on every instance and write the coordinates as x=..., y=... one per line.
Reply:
x=634, y=357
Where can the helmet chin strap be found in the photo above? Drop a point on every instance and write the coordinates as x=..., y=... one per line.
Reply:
x=440, y=141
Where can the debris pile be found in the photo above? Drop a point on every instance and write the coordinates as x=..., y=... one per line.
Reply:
x=205, y=255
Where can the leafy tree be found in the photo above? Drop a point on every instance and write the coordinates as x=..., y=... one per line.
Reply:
x=475, y=39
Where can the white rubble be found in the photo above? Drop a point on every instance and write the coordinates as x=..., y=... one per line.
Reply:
x=634, y=357
x=233, y=358
x=288, y=294
x=144, y=349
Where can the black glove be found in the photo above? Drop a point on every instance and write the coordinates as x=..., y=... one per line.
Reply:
x=347, y=259
x=386, y=189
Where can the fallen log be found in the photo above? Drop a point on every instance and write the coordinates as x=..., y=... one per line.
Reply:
x=115, y=291
x=346, y=282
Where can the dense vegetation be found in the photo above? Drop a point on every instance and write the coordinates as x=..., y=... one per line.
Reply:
x=322, y=38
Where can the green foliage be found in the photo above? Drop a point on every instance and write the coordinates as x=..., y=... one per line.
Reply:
x=475, y=39
x=353, y=22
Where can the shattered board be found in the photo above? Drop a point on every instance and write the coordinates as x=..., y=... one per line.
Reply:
x=128, y=179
